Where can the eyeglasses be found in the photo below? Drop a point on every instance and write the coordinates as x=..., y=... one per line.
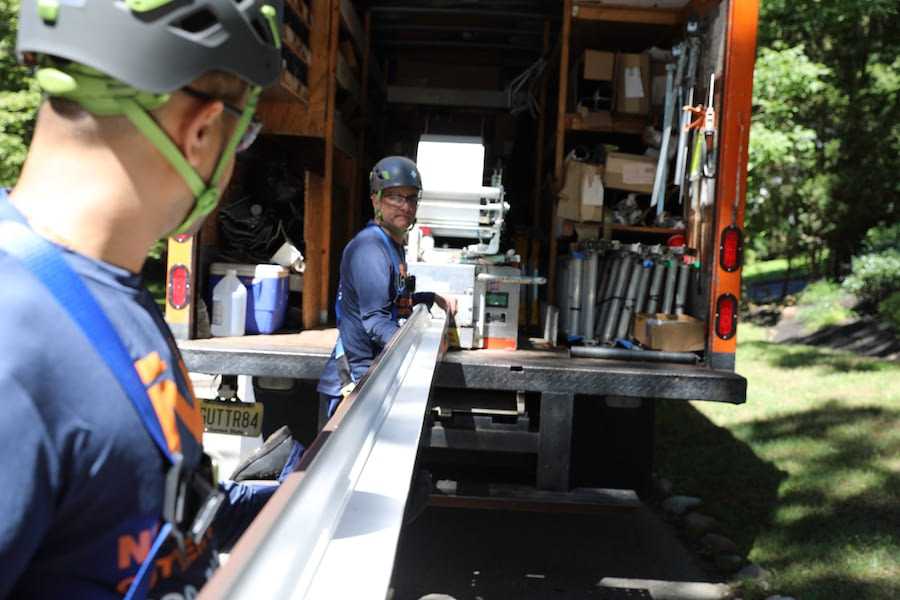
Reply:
x=253, y=128
x=399, y=199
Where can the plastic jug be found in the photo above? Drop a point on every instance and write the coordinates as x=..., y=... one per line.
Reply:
x=427, y=243
x=229, y=306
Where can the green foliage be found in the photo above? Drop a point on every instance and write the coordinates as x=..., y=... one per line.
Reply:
x=875, y=276
x=821, y=304
x=790, y=173
x=826, y=126
x=19, y=98
x=158, y=250
x=17, y=109
x=757, y=271
x=889, y=310
x=883, y=237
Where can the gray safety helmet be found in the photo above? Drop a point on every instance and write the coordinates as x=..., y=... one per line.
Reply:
x=394, y=171
x=157, y=46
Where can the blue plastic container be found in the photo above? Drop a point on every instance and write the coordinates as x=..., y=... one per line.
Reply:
x=267, y=293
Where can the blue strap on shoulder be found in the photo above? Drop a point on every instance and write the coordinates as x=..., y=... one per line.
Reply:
x=45, y=262
x=396, y=259
x=391, y=248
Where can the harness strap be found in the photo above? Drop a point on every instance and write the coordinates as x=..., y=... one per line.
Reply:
x=46, y=263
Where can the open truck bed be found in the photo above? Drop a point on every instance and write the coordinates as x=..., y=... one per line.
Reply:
x=380, y=74
x=303, y=356
x=546, y=433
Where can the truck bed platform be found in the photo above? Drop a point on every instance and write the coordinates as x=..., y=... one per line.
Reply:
x=303, y=356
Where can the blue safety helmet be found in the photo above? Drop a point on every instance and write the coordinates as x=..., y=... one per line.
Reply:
x=394, y=171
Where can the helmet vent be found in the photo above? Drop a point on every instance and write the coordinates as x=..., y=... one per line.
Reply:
x=261, y=29
x=198, y=22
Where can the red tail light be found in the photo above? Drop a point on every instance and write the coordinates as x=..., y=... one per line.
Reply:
x=179, y=292
x=726, y=316
x=731, y=254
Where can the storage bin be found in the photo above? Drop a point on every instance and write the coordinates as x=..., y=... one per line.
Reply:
x=267, y=293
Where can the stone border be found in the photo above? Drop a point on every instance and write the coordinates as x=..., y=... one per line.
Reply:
x=704, y=535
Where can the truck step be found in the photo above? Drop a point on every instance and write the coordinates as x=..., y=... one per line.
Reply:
x=529, y=499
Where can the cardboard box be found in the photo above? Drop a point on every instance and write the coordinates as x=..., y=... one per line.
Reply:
x=593, y=119
x=587, y=231
x=630, y=172
x=658, y=83
x=599, y=65
x=672, y=333
x=581, y=198
x=633, y=83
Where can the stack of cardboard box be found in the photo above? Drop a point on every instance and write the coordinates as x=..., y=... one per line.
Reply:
x=581, y=198
x=610, y=84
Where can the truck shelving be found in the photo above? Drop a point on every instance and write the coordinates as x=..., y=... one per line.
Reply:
x=368, y=79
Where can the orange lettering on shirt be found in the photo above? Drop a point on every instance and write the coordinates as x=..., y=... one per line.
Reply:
x=187, y=380
x=164, y=564
x=168, y=401
x=123, y=585
x=134, y=550
x=150, y=367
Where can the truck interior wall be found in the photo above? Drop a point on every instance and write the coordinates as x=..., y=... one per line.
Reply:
x=270, y=176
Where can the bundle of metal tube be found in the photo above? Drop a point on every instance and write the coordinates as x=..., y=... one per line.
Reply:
x=606, y=283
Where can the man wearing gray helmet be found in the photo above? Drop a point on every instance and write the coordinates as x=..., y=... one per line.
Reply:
x=106, y=489
x=374, y=291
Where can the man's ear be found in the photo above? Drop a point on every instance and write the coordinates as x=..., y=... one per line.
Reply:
x=200, y=132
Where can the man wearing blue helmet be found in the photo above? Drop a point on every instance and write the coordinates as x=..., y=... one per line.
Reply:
x=375, y=291
x=106, y=490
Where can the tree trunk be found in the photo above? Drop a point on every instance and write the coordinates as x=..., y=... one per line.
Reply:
x=787, y=277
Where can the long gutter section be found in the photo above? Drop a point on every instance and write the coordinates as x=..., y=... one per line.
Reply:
x=331, y=530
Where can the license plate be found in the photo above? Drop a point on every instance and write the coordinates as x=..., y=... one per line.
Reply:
x=234, y=418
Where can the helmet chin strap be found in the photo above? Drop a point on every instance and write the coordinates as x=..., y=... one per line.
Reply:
x=206, y=194
x=104, y=96
x=391, y=229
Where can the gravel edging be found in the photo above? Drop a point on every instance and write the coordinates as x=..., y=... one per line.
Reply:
x=711, y=545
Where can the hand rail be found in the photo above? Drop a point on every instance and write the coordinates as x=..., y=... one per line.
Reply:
x=347, y=499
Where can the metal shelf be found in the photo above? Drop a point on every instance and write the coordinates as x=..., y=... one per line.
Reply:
x=625, y=14
x=644, y=229
x=617, y=124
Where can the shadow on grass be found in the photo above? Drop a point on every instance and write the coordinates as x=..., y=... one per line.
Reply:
x=787, y=356
x=829, y=529
x=846, y=496
x=739, y=488
x=866, y=336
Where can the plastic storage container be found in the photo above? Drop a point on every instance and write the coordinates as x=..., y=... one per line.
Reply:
x=267, y=293
x=229, y=306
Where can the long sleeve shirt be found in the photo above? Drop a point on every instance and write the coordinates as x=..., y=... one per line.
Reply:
x=369, y=286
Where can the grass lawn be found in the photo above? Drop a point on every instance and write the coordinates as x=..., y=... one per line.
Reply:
x=773, y=270
x=805, y=477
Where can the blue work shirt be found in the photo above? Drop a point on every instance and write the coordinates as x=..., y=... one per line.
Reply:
x=83, y=481
x=369, y=286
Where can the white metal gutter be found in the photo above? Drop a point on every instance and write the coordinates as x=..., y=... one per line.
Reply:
x=332, y=530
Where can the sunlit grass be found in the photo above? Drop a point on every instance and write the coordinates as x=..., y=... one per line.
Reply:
x=805, y=476
x=773, y=270
x=822, y=304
